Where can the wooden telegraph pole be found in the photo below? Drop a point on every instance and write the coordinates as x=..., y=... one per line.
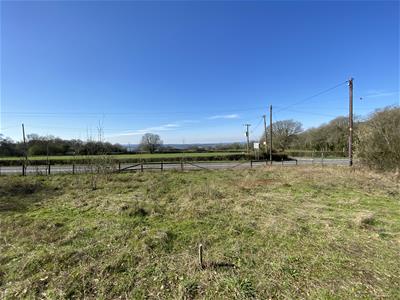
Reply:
x=270, y=134
x=25, y=150
x=350, y=122
x=265, y=135
x=248, y=137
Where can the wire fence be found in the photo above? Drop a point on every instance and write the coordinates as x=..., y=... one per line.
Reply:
x=161, y=166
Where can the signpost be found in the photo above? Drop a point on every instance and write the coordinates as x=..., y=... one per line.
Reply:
x=257, y=150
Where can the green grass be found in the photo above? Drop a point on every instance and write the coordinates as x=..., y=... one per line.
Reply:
x=304, y=232
x=127, y=156
x=124, y=158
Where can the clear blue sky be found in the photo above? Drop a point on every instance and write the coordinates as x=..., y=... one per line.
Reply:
x=191, y=71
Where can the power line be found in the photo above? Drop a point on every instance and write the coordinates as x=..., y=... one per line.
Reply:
x=313, y=96
x=9, y=127
x=258, y=124
x=312, y=113
x=138, y=113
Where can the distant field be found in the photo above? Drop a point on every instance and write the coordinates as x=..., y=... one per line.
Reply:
x=127, y=156
x=229, y=155
x=273, y=232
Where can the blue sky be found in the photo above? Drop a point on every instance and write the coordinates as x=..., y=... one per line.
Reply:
x=191, y=71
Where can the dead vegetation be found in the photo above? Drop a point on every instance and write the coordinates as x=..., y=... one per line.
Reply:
x=303, y=232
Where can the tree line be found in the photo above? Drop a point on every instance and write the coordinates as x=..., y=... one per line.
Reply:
x=289, y=134
x=376, y=141
x=376, y=138
x=37, y=145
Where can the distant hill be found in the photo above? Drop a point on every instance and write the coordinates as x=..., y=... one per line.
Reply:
x=134, y=147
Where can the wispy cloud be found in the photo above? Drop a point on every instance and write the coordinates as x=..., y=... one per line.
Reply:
x=379, y=94
x=189, y=121
x=168, y=127
x=171, y=125
x=155, y=129
x=232, y=116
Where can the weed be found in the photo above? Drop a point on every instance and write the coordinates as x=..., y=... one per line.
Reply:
x=190, y=289
x=304, y=232
x=364, y=219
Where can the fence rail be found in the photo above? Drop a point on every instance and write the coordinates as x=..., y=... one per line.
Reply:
x=159, y=166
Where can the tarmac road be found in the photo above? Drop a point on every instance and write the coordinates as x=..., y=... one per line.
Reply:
x=69, y=169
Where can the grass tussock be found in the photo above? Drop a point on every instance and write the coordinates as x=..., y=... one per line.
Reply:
x=365, y=219
x=301, y=232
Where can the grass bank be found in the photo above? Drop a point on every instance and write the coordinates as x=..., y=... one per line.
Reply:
x=132, y=158
x=126, y=156
x=123, y=158
x=304, y=232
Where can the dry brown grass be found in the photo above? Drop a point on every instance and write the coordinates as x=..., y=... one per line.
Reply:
x=301, y=232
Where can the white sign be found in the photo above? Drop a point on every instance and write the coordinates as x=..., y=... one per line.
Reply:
x=256, y=145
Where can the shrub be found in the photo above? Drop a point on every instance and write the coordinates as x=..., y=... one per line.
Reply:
x=378, y=144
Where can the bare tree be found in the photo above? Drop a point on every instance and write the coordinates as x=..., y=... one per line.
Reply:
x=284, y=133
x=378, y=144
x=99, y=164
x=150, y=142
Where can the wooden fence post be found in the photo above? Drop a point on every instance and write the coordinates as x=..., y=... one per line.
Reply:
x=73, y=169
x=23, y=169
x=162, y=166
x=48, y=166
x=141, y=166
x=201, y=256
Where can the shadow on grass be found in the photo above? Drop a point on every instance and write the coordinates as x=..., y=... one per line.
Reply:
x=17, y=194
x=218, y=265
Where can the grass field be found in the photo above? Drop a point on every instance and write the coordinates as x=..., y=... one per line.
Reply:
x=127, y=156
x=301, y=232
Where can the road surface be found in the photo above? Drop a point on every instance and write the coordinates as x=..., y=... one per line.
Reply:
x=126, y=167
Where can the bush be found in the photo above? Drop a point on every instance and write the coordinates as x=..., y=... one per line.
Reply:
x=378, y=144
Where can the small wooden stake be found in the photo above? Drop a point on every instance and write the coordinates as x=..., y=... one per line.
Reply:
x=201, y=256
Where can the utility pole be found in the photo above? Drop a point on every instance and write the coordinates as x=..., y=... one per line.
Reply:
x=350, y=122
x=270, y=134
x=248, y=137
x=47, y=151
x=265, y=135
x=26, y=150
